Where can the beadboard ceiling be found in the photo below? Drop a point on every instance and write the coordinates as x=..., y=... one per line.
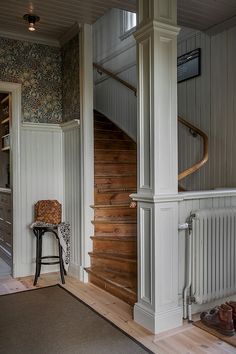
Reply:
x=58, y=17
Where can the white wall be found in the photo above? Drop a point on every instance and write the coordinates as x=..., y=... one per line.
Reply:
x=208, y=102
x=41, y=178
x=111, y=98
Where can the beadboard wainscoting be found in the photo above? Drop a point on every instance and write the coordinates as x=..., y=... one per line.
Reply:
x=208, y=102
x=194, y=201
x=72, y=194
x=41, y=178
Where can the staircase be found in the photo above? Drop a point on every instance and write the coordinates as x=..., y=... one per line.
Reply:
x=114, y=256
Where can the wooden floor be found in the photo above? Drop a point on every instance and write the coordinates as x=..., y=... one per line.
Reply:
x=183, y=340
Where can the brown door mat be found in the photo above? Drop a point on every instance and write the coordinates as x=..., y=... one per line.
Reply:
x=229, y=340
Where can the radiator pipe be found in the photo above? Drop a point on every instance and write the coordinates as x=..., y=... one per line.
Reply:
x=186, y=293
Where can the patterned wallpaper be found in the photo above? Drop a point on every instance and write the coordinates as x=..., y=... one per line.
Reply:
x=70, y=79
x=38, y=68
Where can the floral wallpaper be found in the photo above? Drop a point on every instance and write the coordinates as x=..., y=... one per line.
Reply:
x=70, y=79
x=38, y=68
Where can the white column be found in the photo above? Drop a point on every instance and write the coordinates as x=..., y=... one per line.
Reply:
x=87, y=150
x=157, y=307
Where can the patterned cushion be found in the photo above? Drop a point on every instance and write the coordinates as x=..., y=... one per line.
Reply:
x=48, y=211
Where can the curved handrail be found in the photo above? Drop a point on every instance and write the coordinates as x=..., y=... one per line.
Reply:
x=115, y=77
x=205, y=156
x=194, y=129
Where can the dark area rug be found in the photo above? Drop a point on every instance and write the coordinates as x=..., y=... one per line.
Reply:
x=229, y=340
x=51, y=320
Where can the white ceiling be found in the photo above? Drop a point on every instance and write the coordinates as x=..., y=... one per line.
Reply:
x=59, y=16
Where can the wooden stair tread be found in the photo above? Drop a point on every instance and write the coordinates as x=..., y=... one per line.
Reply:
x=115, y=238
x=114, y=162
x=114, y=222
x=113, y=278
x=110, y=206
x=114, y=190
x=114, y=256
x=121, y=257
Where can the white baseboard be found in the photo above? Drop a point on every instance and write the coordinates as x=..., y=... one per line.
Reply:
x=157, y=322
x=26, y=269
x=74, y=270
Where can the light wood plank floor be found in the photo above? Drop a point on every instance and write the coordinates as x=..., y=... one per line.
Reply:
x=183, y=340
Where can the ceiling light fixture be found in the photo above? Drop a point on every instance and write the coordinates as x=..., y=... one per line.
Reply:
x=31, y=19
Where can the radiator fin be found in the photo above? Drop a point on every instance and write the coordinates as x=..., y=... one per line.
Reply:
x=214, y=254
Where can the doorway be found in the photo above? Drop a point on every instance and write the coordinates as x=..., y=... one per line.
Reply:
x=6, y=239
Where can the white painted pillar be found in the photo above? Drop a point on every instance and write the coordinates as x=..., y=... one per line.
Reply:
x=87, y=145
x=157, y=307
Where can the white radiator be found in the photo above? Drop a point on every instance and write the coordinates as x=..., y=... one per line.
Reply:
x=211, y=257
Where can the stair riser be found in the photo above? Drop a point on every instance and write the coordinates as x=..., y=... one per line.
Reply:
x=115, y=156
x=116, y=229
x=115, y=214
x=120, y=293
x=116, y=182
x=118, y=135
x=103, y=169
x=114, y=145
x=112, y=198
x=116, y=265
x=115, y=247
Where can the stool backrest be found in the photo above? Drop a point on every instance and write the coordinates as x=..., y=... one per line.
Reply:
x=48, y=211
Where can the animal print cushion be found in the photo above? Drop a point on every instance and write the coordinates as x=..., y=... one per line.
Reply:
x=48, y=211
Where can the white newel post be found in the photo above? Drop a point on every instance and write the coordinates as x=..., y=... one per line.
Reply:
x=157, y=307
x=87, y=143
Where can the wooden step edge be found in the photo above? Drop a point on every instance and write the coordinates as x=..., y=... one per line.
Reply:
x=115, y=238
x=110, y=206
x=98, y=175
x=120, y=222
x=117, y=257
x=114, y=190
x=114, y=150
x=128, y=140
x=105, y=276
x=114, y=162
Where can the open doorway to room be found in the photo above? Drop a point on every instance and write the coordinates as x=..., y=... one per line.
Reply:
x=6, y=244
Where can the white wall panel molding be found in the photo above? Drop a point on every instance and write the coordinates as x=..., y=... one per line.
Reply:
x=72, y=190
x=157, y=308
x=43, y=127
x=86, y=144
x=70, y=125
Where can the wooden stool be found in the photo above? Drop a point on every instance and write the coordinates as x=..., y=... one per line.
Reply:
x=39, y=232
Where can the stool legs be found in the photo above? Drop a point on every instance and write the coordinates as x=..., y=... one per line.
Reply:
x=38, y=232
x=38, y=265
x=62, y=270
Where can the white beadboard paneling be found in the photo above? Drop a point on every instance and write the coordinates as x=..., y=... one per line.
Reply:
x=41, y=178
x=72, y=194
x=111, y=98
x=208, y=101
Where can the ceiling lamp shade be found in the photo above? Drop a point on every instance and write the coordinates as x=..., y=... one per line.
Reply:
x=31, y=19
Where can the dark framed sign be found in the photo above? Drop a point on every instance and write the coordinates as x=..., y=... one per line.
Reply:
x=189, y=65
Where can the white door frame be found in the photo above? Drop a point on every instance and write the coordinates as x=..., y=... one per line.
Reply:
x=15, y=90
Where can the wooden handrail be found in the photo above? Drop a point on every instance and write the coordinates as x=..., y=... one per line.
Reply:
x=194, y=129
x=205, y=156
x=115, y=77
